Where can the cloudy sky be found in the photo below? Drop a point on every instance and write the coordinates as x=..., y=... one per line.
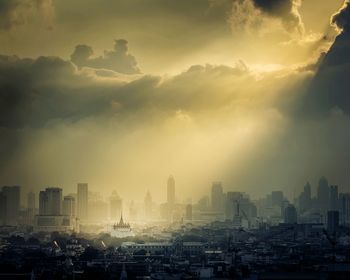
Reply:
x=120, y=94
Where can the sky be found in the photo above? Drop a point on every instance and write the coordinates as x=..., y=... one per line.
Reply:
x=121, y=94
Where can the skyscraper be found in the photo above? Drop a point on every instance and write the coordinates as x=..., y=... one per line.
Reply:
x=332, y=221
x=148, y=205
x=290, y=214
x=69, y=206
x=54, y=200
x=277, y=198
x=305, y=199
x=43, y=203
x=217, y=197
x=188, y=214
x=31, y=201
x=11, y=197
x=171, y=190
x=333, y=198
x=323, y=195
x=344, y=206
x=30, y=207
x=82, y=195
x=50, y=202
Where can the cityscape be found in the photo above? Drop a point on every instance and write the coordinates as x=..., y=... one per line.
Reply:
x=225, y=234
x=174, y=139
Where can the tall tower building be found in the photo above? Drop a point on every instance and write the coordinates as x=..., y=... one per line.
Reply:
x=323, y=194
x=217, y=197
x=82, y=197
x=290, y=215
x=50, y=202
x=188, y=214
x=31, y=201
x=69, y=206
x=333, y=198
x=171, y=191
x=332, y=221
x=11, y=197
x=277, y=198
x=55, y=201
x=43, y=203
x=148, y=205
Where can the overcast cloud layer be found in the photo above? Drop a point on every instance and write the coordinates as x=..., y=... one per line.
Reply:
x=102, y=119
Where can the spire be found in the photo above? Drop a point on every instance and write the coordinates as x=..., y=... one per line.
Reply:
x=121, y=222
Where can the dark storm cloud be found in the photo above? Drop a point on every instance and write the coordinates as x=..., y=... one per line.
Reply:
x=18, y=12
x=119, y=59
x=35, y=92
x=342, y=18
x=329, y=89
x=285, y=10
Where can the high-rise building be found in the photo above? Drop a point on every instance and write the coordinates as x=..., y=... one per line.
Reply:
x=305, y=199
x=148, y=205
x=50, y=202
x=217, y=197
x=344, y=206
x=188, y=214
x=277, y=198
x=2, y=208
x=323, y=195
x=82, y=199
x=290, y=214
x=116, y=206
x=232, y=198
x=332, y=221
x=30, y=207
x=55, y=201
x=43, y=203
x=69, y=206
x=171, y=190
x=31, y=201
x=11, y=197
x=333, y=198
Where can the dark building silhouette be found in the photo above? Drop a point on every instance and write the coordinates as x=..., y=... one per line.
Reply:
x=10, y=199
x=290, y=214
x=332, y=221
x=323, y=195
x=217, y=197
x=333, y=198
x=171, y=190
x=82, y=201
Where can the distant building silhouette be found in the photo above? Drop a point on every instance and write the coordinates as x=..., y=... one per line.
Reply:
x=277, y=198
x=217, y=197
x=10, y=202
x=82, y=201
x=290, y=215
x=323, y=195
x=171, y=190
x=69, y=206
x=50, y=202
x=188, y=214
x=333, y=198
x=332, y=221
x=344, y=207
x=305, y=199
x=148, y=205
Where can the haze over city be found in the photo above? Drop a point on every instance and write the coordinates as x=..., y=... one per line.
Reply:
x=175, y=139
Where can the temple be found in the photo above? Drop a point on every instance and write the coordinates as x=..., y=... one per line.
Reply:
x=121, y=229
